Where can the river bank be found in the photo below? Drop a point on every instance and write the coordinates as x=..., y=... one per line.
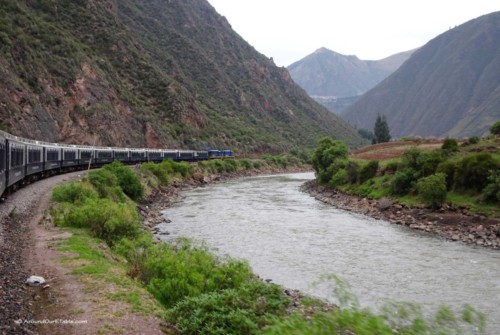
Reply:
x=450, y=223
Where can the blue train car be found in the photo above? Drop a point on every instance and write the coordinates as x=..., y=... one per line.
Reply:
x=3, y=163
x=171, y=154
x=103, y=156
x=227, y=154
x=70, y=156
x=121, y=154
x=34, y=159
x=53, y=157
x=16, y=160
x=214, y=154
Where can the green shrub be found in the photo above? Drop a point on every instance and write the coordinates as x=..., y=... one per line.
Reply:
x=495, y=128
x=157, y=170
x=127, y=179
x=449, y=169
x=473, y=171
x=104, y=218
x=491, y=192
x=352, y=170
x=432, y=189
x=401, y=318
x=391, y=167
x=403, y=181
x=183, y=168
x=257, y=164
x=173, y=273
x=338, y=173
x=410, y=159
x=74, y=192
x=168, y=166
x=231, y=165
x=244, y=310
x=428, y=161
x=473, y=140
x=106, y=184
x=327, y=152
x=450, y=145
x=368, y=171
x=246, y=164
x=280, y=161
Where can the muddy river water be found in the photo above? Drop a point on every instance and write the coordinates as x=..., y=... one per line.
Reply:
x=295, y=240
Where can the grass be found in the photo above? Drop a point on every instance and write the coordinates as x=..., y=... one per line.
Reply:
x=473, y=203
x=99, y=269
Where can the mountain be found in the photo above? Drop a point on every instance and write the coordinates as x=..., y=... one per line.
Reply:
x=448, y=88
x=157, y=73
x=327, y=75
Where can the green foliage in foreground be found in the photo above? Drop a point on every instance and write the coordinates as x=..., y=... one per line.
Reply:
x=104, y=218
x=243, y=310
x=401, y=319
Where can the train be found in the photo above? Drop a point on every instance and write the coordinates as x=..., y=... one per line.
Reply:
x=23, y=161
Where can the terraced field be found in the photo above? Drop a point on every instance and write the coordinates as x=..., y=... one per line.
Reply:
x=390, y=150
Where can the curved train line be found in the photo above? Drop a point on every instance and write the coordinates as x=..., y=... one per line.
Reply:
x=23, y=161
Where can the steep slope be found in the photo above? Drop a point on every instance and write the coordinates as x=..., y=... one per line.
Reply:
x=449, y=87
x=155, y=73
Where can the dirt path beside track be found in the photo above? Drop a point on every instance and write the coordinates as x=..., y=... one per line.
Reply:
x=64, y=304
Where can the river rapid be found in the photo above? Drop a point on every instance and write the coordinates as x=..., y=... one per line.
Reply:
x=295, y=240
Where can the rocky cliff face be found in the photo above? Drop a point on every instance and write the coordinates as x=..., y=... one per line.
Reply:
x=156, y=73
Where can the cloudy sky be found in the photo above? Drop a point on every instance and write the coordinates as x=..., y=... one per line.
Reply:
x=289, y=30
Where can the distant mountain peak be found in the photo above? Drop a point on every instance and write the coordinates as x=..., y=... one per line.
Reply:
x=326, y=73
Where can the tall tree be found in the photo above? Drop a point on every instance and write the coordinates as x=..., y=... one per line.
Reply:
x=381, y=130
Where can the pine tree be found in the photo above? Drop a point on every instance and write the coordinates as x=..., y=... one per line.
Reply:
x=381, y=130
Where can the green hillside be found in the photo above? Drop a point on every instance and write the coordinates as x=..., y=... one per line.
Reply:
x=154, y=73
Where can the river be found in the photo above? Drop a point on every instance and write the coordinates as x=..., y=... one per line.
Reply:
x=293, y=239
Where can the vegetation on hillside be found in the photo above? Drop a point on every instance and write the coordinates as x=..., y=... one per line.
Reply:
x=156, y=74
x=201, y=293
x=462, y=175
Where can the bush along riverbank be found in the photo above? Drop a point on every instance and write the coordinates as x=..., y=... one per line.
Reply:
x=452, y=192
x=193, y=290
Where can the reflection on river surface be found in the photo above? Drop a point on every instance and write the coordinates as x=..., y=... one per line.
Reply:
x=288, y=236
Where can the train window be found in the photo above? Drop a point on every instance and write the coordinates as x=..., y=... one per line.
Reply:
x=34, y=155
x=86, y=154
x=121, y=154
x=2, y=157
x=104, y=154
x=69, y=155
x=16, y=156
x=52, y=154
x=138, y=154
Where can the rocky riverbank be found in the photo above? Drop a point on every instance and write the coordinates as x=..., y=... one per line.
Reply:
x=448, y=222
